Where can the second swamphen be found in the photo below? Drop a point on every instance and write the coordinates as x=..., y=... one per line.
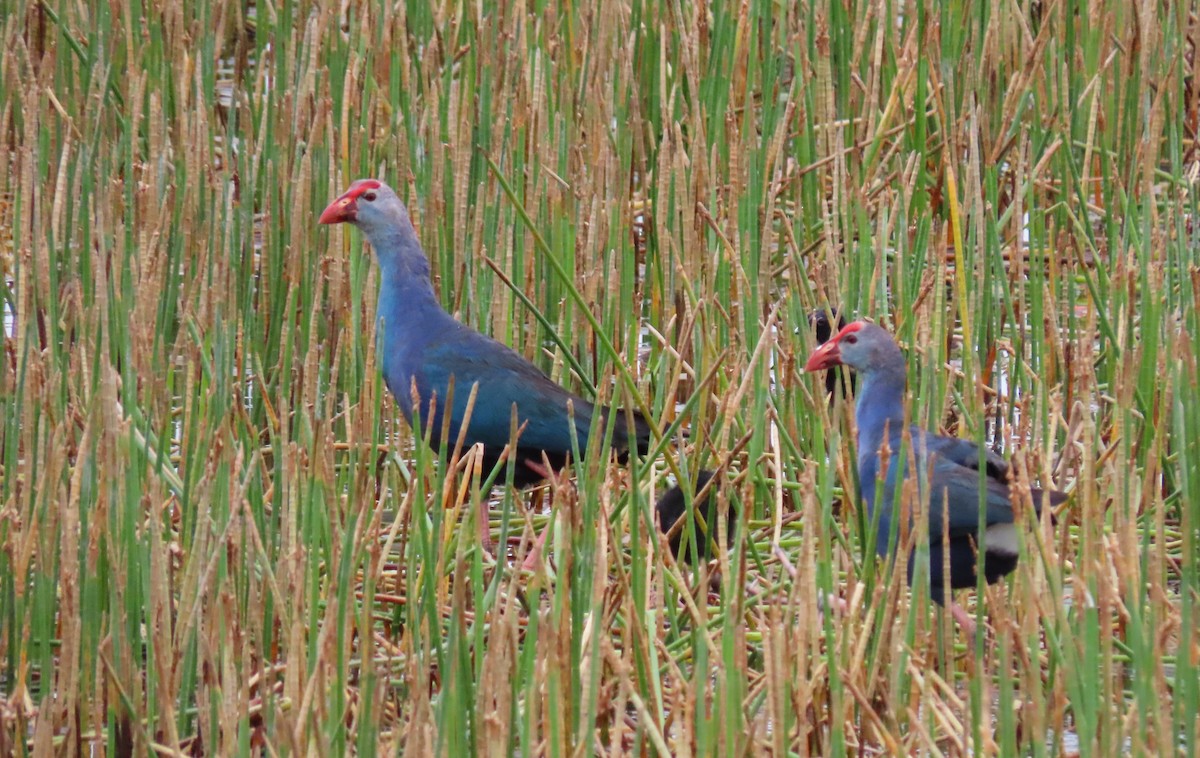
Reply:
x=423, y=348
x=953, y=482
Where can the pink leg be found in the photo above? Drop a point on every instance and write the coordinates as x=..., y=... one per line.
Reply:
x=485, y=537
x=539, y=469
x=836, y=604
x=963, y=618
x=535, y=552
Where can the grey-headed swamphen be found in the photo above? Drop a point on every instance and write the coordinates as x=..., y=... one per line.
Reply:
x=422, y=348
x=953, y=481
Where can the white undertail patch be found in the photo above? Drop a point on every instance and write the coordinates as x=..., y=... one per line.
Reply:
x=1002, y=539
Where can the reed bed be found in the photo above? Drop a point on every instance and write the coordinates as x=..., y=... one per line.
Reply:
x=218, y=536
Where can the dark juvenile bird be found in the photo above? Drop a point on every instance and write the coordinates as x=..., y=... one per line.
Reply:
x=952, y=485
x=671, y=507
x=824, y=325
x=423, y=348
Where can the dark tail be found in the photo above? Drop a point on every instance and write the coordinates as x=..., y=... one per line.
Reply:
x=1054, y=497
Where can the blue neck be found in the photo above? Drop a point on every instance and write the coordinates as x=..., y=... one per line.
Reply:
x=406, y=296
x=879, y=405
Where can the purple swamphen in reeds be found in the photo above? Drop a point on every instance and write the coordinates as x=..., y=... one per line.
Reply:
x=422, y=349
x=952, y=484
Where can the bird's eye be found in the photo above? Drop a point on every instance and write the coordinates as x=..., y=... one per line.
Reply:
x=368, y=196
x=851, y=339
